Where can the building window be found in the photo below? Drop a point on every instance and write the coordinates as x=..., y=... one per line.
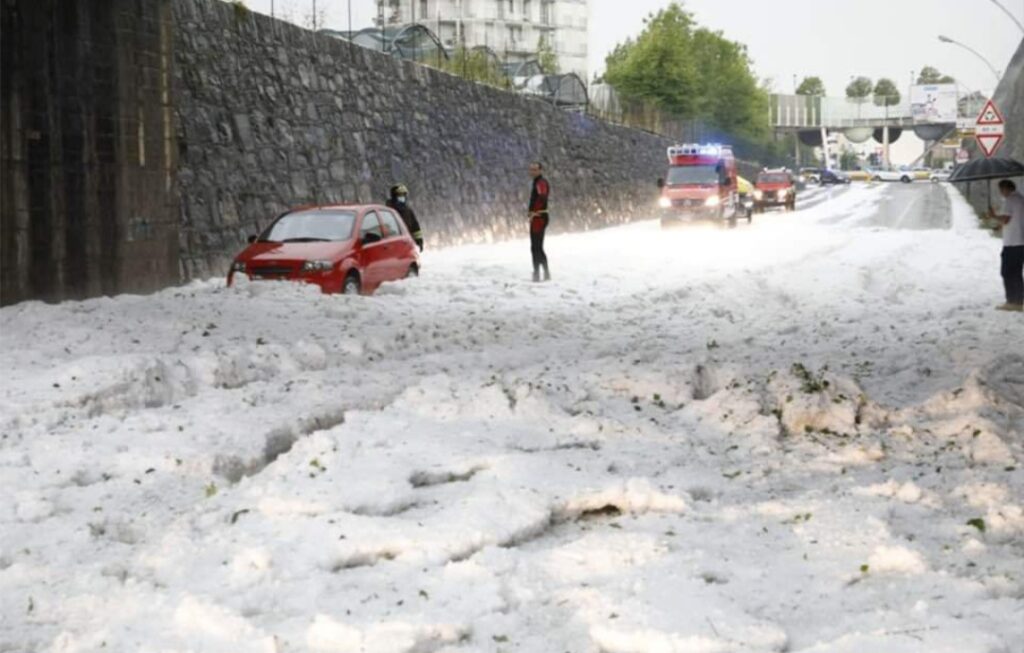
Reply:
x=526, y=10
x=423, y=10
x=545, y=12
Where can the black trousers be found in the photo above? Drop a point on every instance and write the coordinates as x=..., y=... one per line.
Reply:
x=537, y=246
x=1013, y=274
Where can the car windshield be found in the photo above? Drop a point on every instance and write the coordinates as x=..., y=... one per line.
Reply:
x=311, y=226
x=773, y=178
x=703, y=174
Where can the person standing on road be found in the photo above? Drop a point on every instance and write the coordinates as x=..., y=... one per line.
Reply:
x=1013, y=245
x=399, y=201
x=538, y=211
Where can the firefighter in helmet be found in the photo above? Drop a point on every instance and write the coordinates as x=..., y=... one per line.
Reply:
x=399, y=201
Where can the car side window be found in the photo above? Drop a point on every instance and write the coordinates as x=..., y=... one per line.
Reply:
x=371, y=225
x=390, y=223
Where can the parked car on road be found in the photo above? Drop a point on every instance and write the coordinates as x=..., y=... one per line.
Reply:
x=830, y=177
x=349, y=249
x=774, y=188
x=941, y=174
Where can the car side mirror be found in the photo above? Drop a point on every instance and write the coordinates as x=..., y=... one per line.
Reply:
x=661, y=182
x=252, y=238
x=371, y=237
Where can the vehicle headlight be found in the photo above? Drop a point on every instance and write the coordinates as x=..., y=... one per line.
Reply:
x=714, y=200
x=317, y=266
x=238, y=266
x=664, y=202
x=758, y=194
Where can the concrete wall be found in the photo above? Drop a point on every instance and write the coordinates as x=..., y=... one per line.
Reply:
x=87, y=201
x=1009, y=98
x=272, y=116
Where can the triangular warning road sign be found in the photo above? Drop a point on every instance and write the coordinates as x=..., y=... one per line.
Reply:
x=989, y=143
x=990, y=115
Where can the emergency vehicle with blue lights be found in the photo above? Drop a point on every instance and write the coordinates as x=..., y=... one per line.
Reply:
x=701, y=183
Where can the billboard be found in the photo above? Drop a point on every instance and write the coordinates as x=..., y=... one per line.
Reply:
x=933, y=102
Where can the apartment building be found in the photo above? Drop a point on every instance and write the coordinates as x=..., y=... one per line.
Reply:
x=512, y=28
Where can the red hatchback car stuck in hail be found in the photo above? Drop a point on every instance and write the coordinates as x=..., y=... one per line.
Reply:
x=350, y=249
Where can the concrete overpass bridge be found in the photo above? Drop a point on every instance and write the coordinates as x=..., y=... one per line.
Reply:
x=812, y=117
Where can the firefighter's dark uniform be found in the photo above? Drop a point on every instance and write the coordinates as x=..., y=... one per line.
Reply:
x=538, y=225
x=408, y=216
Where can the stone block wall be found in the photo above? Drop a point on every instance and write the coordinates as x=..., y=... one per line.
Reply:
x=87, y=198
x=271, y=116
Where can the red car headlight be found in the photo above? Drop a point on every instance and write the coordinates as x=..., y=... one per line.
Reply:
x=317, y=266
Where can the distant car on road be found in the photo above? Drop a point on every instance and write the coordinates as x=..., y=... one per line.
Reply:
x=810, y=175
x=920, y=172
x=882, y=174
x=831, y=177
x=859, y=174
x=940, y=174
x=774, y=188
x=349, y=249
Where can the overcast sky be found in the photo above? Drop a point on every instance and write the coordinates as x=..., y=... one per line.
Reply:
x=833, y=39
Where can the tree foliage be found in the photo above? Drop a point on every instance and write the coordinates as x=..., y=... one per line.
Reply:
x=811, y=86
x=859, y=88
x=546, y=57
x=886, y=94
x=475, y=65
x=690, y=72
x=931, y=75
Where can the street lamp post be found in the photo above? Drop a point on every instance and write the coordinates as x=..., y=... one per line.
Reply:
x=1007, y=12
x=946, y=39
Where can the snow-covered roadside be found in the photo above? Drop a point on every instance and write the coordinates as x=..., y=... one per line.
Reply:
x=646, y=455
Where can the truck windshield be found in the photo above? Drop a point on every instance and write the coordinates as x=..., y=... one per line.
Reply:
x=703, y=174
x=311, y=226
x=773, y=178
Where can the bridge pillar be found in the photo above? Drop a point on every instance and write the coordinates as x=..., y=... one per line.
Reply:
x=885, y=146
x=824, y=148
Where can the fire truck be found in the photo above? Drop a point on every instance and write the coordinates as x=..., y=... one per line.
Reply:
x=700, y=184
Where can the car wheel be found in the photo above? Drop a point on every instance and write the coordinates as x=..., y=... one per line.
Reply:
x=351, y=285
x=905, y=179
x=412, y=272
x=876, y=178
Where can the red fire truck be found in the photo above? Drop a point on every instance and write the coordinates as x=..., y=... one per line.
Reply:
x=701, y=183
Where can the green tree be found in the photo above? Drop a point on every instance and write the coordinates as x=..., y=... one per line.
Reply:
x=811, y=86
x=546, y=57
x=474, y=65
x=859, y=89
x=658, y=66
x=931, y=75
x=690, y=72
x=728, y=93
x=847, y=160
x=886, y=94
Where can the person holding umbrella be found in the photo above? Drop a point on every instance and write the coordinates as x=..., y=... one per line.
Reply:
x=1012, y=222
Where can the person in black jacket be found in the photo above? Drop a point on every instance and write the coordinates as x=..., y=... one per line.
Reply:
x=399, y=201
x=538, y=212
